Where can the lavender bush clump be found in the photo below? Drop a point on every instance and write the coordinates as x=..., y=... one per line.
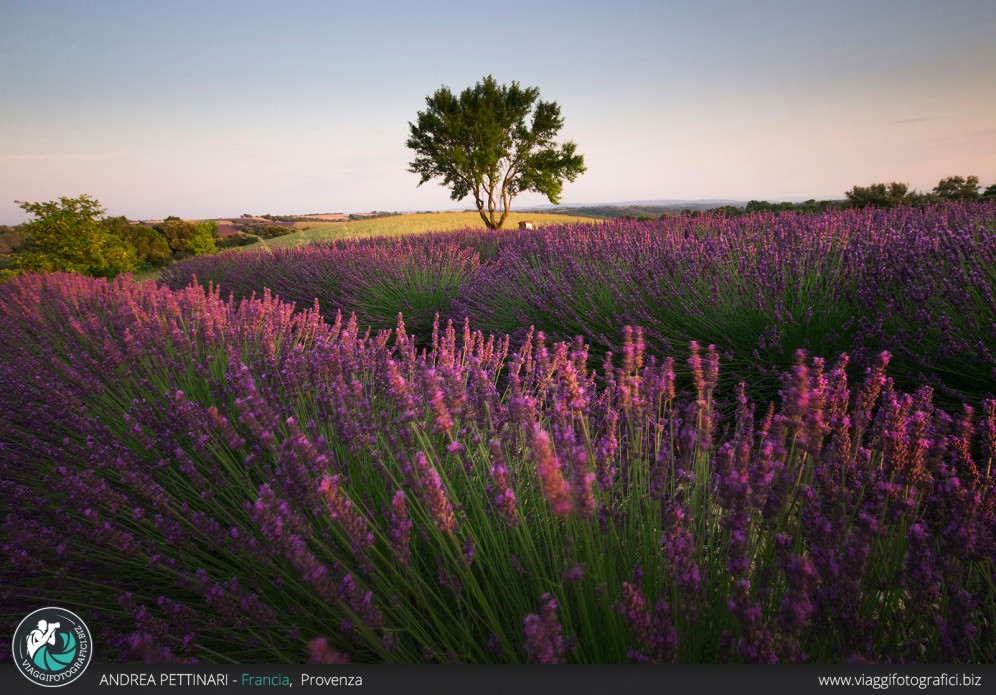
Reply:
x=917, y=282
x=373, y=278
x=240, y=478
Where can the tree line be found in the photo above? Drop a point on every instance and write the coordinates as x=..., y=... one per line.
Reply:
x=895, y=193
x=880, y=195
x=73, y=235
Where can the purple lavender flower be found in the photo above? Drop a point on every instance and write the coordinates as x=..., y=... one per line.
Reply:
x=400, y=528
x=502, y=495
x=320, y=651
x=555, y=488
x=341, y=509
x=434, y=494
x=545, y=642
x=654, y=631
x=678, y=544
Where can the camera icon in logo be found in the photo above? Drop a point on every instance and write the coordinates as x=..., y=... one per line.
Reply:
x=52, y=647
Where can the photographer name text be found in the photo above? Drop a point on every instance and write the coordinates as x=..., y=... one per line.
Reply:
x=156, y=680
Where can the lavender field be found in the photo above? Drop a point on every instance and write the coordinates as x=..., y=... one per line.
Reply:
x=700, y=439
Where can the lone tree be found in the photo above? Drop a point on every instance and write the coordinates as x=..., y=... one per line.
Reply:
x=484, y=143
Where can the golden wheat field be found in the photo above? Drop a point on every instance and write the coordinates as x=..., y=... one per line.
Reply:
x=412, y=223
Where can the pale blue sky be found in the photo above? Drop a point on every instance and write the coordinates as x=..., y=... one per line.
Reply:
x=217, y=108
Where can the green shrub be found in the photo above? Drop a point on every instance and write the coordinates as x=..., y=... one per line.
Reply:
x=235, y=240
x=150, y=246
x=66, y=235
x=267, y=231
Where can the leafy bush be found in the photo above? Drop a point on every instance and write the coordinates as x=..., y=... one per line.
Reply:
x=151, y=248
x=881, y=195
x=235, y=240
x=66, y=235
x=203, y=242
x=10, y=239
x=177, y=233
x=266, y=231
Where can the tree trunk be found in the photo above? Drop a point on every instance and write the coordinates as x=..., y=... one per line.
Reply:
x=488, y=215
x=489, y=223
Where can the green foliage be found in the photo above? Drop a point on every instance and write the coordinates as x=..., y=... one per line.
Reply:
x=150, y=246
x=316, y=217
x=151, y=249
x=235, y=240
x=66, y=235
x=10, y=239
x=990, y=191
x=811, y=206
x=371, y=215
x=881, y=195
x=186, y=238
x=728, y=210
x=208, y=227
x=481, y=144
x=118, y=226
x=266, y=231
x=203, y=241
x=177, y=233
x=958, y=188
x=765, y=206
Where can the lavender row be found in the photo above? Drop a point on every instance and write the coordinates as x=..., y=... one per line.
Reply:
x=373, y=278
x=916, y=282
x=214, y=480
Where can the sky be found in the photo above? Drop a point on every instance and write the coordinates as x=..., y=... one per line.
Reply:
x=213, y=108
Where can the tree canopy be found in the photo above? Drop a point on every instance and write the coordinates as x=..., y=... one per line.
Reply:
x=958, y=188
x=186, y=238
x=177, y=233
x=151, y=249
x=66, y=235
x=880, y=195
x=493, y=142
